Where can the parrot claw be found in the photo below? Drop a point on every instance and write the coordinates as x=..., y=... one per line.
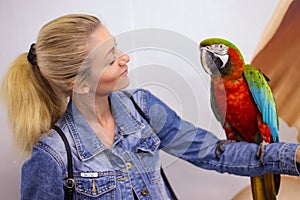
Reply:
x=220, y=148
x=261, y=151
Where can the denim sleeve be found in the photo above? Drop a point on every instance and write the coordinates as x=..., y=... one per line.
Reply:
x=200, y=147
x=41, y=177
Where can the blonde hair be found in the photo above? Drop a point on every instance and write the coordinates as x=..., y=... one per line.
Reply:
x=36, y=95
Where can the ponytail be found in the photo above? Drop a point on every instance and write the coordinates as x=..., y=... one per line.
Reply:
x=36, y=93
x=32, y=105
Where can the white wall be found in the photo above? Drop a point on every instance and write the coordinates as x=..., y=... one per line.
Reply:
x=240, y=21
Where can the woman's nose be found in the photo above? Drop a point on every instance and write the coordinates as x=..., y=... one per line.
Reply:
x=123, y=58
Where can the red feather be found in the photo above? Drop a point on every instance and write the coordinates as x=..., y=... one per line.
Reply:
x=241, y=113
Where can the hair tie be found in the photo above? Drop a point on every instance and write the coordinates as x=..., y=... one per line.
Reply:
x=31, y=56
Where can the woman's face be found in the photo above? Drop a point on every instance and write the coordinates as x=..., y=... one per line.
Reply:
x=107, y=68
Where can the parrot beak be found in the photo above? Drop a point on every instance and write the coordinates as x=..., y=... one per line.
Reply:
x=207, y=60
x=212, y=62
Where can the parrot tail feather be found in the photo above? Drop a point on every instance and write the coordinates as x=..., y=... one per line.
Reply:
x=277, y=179
x=265, y=187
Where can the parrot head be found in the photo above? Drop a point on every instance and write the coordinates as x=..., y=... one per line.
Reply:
x=221, y=57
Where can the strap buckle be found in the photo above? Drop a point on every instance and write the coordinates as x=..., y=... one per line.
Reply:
x=70, y=183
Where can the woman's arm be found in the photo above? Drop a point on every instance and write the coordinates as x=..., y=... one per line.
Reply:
x=298, y=156
x=202, y=148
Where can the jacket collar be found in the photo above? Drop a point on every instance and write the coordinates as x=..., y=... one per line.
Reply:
x=125, y=114
x=86, y=141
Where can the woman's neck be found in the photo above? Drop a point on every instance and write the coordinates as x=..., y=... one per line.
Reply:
x=99, y=116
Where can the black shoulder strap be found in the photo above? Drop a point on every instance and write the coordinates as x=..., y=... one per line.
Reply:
x=70, y=183
x=163, y=174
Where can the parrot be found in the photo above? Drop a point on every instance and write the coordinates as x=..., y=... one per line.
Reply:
x=242, y=101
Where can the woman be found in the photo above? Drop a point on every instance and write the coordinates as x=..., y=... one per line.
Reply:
x=114, y=148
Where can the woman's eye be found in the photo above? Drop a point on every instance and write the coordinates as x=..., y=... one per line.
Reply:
x=113, y=60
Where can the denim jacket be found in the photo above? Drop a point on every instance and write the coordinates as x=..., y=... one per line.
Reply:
x=133, y=162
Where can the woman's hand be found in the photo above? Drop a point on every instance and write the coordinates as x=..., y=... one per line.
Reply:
x=298, y=155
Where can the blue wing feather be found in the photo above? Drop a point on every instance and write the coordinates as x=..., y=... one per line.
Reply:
x=263, y=98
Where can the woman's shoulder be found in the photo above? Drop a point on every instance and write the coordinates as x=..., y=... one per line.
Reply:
x=50, y=147
x=46, y=157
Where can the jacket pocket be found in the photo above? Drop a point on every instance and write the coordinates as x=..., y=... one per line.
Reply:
x=95, y=187
x=148, y=154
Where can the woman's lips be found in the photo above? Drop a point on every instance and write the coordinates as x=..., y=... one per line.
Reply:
x=125, y=72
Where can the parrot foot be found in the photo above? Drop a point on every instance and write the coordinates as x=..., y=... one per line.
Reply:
x=220, y=148
x=261, y=151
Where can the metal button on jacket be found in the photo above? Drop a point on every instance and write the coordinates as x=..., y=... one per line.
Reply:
x=128, y=165
x=144, y=192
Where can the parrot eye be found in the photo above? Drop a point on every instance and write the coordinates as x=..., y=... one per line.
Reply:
x=220, y=49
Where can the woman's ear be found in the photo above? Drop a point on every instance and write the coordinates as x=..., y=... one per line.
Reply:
x=79, y=88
